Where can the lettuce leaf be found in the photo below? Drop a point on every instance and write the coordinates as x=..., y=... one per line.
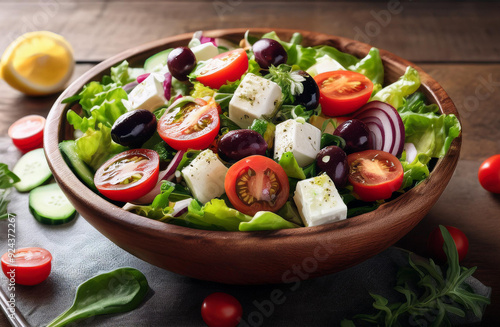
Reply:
x=95, y=146
x=416, y=171
x=219, y=214
x=201, y=91
x=371, y=66
x=101, y=104
x=291, y=167
x=122, y=74
x=395, y=93
x=430, y=132
x=266, y=220
x=304, y=57
x=345, y=59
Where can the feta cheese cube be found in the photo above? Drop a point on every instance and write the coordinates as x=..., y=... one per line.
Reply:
x=254, y=98
x=324, y=64
x=148, y=94
x=205, y=176
x=319, y=201
x=205, y=51
x=302, y=139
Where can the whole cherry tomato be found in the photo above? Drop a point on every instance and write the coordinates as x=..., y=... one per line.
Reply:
x=436, y=241
x=221, y=310
x=489, y=174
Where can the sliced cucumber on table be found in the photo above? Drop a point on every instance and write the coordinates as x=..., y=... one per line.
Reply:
x=68, y=150
x=32, y=169
x=156, y=61
x=49, y=205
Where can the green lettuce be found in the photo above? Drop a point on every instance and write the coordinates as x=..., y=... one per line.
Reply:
x=266, y=129
x=345, y=59
x=291, y=167
x=416, y=171
x=156, y=143
x=304, y=57
x=123, y=74
x=430, y=132
x=219, y=214
x=101, y=104
x=200, y=91
x=265, y=220
x=95, y=146
x=289, y=212
x=395, y=93
x=371, y=66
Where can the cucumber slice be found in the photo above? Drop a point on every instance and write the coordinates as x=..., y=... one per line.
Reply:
x=157, y=61
x=49, y=205
x=68, y=150
x=32, y=169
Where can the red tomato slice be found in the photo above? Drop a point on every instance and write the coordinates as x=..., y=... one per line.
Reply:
x=27, y=266
x=374, y=174
x=27, y=132
x=193, y=126
x=489, y=174
x=256, y=183
x=342, y=92
x=223, y=68
x=128, y=175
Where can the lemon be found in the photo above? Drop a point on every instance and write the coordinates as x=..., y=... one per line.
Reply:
x=38, y=63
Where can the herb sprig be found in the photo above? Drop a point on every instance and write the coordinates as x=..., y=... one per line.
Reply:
x=290, y=81
x=7, y=180
x=438, y=294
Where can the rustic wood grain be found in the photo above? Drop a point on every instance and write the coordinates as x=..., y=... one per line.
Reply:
x=475, y=90
x=14, y=105
x=459, y=31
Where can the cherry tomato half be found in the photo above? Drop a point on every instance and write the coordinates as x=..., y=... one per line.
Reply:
x=436, y=241
x=223, y=68
x=192, y=126
x=221, y=310
x=27, y=132
x=256, y=183
x=342, y=92
x=374, y=174
x=489, y=174
x=27, y=266
x=128, y=175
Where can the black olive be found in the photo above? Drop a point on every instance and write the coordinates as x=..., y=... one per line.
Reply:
x=134, y=128
x=309, y=98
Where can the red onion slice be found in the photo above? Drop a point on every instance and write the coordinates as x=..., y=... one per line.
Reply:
x=166, y=174
x=385, y=125
x=130, y=86
x=167, y=85
x=181, y=207
x=142, y=77
x=411, y=152
x=206, y=39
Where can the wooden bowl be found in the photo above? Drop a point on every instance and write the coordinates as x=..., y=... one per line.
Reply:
x=282, y=256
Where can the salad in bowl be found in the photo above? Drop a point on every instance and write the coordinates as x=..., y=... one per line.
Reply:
x=267, y=134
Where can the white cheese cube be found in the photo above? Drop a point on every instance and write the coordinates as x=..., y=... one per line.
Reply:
x=205, y=51
x=149, y=94
x=205, y=176
x=319, y=201
x=324, y=64
x=302, y=139
x=255, y=97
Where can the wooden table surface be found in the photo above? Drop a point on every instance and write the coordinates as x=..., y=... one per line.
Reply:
x=455, y=42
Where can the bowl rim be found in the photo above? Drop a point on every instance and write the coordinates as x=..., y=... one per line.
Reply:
x=71, y=183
